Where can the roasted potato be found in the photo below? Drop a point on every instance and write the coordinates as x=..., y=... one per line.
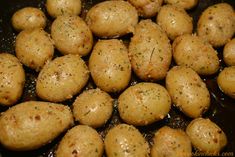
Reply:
x=186, y=4
x=229, y=53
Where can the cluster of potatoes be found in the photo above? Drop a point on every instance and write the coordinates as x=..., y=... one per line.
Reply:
x=149, y=54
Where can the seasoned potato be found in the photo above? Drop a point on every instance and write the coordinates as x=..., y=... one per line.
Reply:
x=12, y=79
x=110, y=66
x=62, y=78
x=150, y=51
x=93, y=107
x=191, y=51
x=168, y=142
x=125, y=141
x=187, y=90
x=34, y=48
x=82, y=141
x=144, y=103
x=28, y=18
x=206, y=136
x=111, y=19
x=175, y=21
x=32, y=124
x=71, y=35
x=186, y=4
x=229, y=53
x=217, y=24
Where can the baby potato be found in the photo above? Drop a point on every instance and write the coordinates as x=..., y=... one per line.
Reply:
x=12, y=79
x=150, y=51
x=175, y=21
x=226, y=81
x=125, y=141
x=28, y=18
x=229, y=53
x=191, y=51
x=217, y=24
x=144, y=103
x=110, y=66
x=62, y=78
x=32, y=124
x=82, y=141
x=93, y=107
x=168, y=142
x=187, y=90
x=111, y=19
x=71, y=35
x=186, y=4
x=34, y=47
x=60, y=7
x=206, y=136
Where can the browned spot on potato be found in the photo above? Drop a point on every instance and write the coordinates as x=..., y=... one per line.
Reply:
x=37, y=117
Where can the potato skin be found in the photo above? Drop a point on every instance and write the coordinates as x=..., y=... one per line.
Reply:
x=171, y=143
x=217, y=24
x=82, y=141
x=12, y=79
x=187, y=90
x=186, y=4
x=28, y=125
x=144, y=103
x=150, y=51
x=229, y=53
x=125, y=141
x=112, y=19
x=191, y=51
x=206, y=136
x=62, y=78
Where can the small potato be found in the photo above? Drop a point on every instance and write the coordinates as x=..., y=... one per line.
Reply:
x=187, y=90
x=168, y=142
x=80, y=141
x=125, y=141
x=191, y=51
x=93, y=107
x=144, y=103
x=34, y=47
x=111, y=19
x=175, y=21
x=186, y=4
x=110, y=66
x=229, y=53
x=217, y=24
x=150, y=51
x=71, y=35
x=226, y=81
x=12, y=79
x=206, y=136
x=32, y=124
x=62, y=78
x=60, y=7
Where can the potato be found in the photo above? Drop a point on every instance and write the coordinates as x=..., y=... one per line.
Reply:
x=206, y=136
x=28, y=18
x=110, y=66
x=12, y=79
x=111, y=19
x=60, y=7
x=144, y=103
x=175, y=21
x=226, y=81
x=32, y=124
x=71, y=35
x=150, y=51
x=191, y=51
x=217, y=24
x=125, y=141
x=168, y=142
x=187, y=90
x=34, y=47
x=62, y=78
x=80, y=141
x=186, y=4
x=229, y=53
x=93, y=107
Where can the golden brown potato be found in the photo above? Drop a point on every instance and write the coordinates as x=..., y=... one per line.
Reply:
x=186, y=4
x=229, y=53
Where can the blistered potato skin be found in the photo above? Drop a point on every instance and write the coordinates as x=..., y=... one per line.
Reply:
x=12, y=79
x=32, y=124
x=229, y=53
x=186, y=4
x=187, y=90
x=150, y=51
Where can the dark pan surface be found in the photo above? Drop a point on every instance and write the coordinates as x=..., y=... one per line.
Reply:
x=222, y=110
